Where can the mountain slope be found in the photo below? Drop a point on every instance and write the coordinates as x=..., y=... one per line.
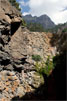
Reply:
x=44, y=20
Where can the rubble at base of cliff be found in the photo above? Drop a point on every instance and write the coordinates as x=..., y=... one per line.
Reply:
x=13, y=84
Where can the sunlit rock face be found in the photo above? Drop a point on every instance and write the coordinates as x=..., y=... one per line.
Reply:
x=19, y=44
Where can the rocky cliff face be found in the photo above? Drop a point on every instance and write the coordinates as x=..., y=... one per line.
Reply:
x=17, y=45
x=60, y=38
x=9, y=16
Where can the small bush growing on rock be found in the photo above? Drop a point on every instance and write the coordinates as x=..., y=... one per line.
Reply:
x=24, y=23
x=36, y=57
x=44, y=68
x=64, y=30
x=49, y=66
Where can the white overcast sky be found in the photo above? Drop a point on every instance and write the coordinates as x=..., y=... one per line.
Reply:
x=55, y=9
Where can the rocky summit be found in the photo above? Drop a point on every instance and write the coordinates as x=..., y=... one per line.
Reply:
x=17, y=45
x=44, y=20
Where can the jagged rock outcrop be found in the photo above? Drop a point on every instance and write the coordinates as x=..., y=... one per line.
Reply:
x=60, y=39
x=9, y=16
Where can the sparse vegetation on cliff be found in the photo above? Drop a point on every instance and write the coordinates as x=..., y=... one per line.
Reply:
x=44, y=68
x=36, y=57
x=24, y=23
x=15, y=4
x=35, y=27
x=64, y=30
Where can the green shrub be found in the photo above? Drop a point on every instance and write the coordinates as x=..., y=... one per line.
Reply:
x=36, y=57
x=24, y=23
x=35, y=27
x=44, y=68
x=49, y=66
x=64, y=30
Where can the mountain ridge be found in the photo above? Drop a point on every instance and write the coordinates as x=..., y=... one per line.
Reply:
x=44, y=20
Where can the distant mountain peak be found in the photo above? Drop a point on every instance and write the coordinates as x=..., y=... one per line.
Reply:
x=28, y=15
x=44, y=20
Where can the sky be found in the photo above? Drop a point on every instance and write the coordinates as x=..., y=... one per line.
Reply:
x=55, y=9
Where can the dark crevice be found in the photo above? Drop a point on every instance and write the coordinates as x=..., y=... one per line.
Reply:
x=0, y=91
x=5, y=32
x=9, y=39
x=5, y=62
x=14, y=27
x=3, y=22
x=2, y=42
x=23, y=61
x=9, y=15
x=17, y=69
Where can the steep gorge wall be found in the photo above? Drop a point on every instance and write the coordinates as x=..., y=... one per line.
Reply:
x=17, y=45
